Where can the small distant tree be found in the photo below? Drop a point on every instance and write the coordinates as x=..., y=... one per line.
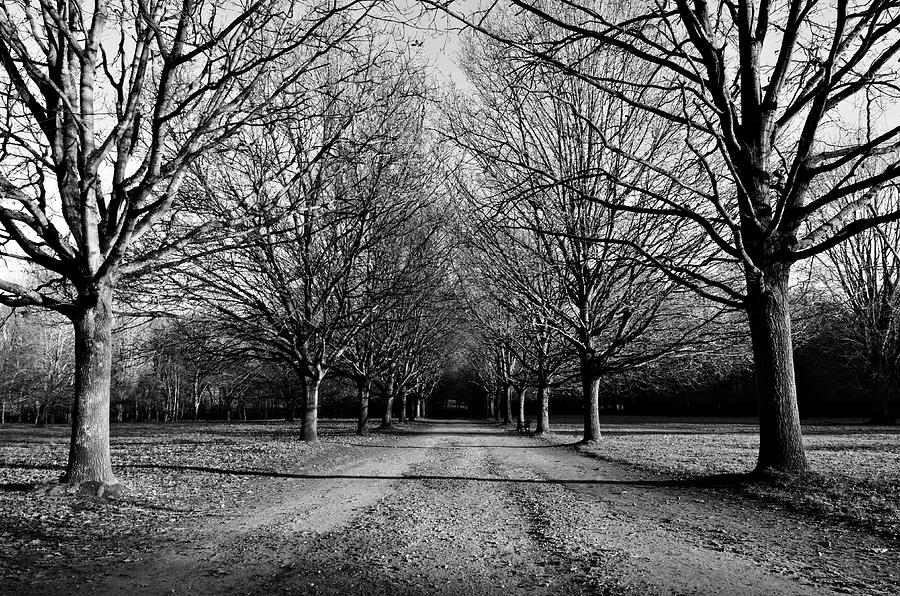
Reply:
x=864, y=274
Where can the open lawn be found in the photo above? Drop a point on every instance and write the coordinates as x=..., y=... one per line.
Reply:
x=855, y=468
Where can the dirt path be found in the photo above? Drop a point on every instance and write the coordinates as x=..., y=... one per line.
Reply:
x=464, y=508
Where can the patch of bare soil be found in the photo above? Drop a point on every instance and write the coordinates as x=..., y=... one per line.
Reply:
x=466, y=508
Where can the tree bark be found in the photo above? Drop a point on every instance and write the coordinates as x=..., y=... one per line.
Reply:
x=543, y=420
x=507, y=411
x=590, y=387
x=768, y=311
x=402, y=396
x=290, y=399
x=89, y=459
x=362, y=389
x=520, y=396
x=387, y=420
x=881, y=407
x=886, y=387
x=40, y=414
x=309, y=431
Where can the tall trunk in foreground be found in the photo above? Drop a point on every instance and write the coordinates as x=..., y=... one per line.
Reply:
x=768, y=311
x=543, y=419
x=310, y=429
x=362, y=390
x=590, y=389
x=89, y=459
x=387, y=420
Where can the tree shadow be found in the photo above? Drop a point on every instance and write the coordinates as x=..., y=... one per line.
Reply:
x=460, y=447
x=411, y=477
x=16, y=487
x=32, y=466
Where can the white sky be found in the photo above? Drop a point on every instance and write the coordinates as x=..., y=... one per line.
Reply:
x=440, y=39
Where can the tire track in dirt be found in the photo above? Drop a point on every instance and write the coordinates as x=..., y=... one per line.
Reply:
x=457, y=526
x=436, y=533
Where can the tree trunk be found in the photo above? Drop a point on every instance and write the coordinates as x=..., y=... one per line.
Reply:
x=520, y=396
x=543, y=420
x=886, y=386
x=498, y=399
x=590, y=388
x=387, y=420
x=768, y=311
x=881, y=406
x=362, y=389
x=309, y=431
x=89, y=459
x=40, y=414
x=507, y=411
x=196, y=395
x=290, y=399
x=402, y=405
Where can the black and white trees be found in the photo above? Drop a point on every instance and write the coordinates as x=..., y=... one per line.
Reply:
x=104, y=107
x=771, y=100
x=327, y=193
x=567, y=255
x=864, y=274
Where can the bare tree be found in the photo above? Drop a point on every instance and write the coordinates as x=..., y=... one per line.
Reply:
x=329, y=189
x=103, y=107
x=864, y=274
x=570, y=251
x=772, y=98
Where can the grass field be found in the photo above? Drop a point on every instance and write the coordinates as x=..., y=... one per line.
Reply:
x=855, y=468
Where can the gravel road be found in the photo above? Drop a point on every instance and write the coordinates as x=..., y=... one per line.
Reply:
x=467, y=508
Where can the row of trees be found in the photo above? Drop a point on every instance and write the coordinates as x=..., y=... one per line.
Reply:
x=259, y=167
x=168, y=370
x=628, y=185
x=638, y=157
